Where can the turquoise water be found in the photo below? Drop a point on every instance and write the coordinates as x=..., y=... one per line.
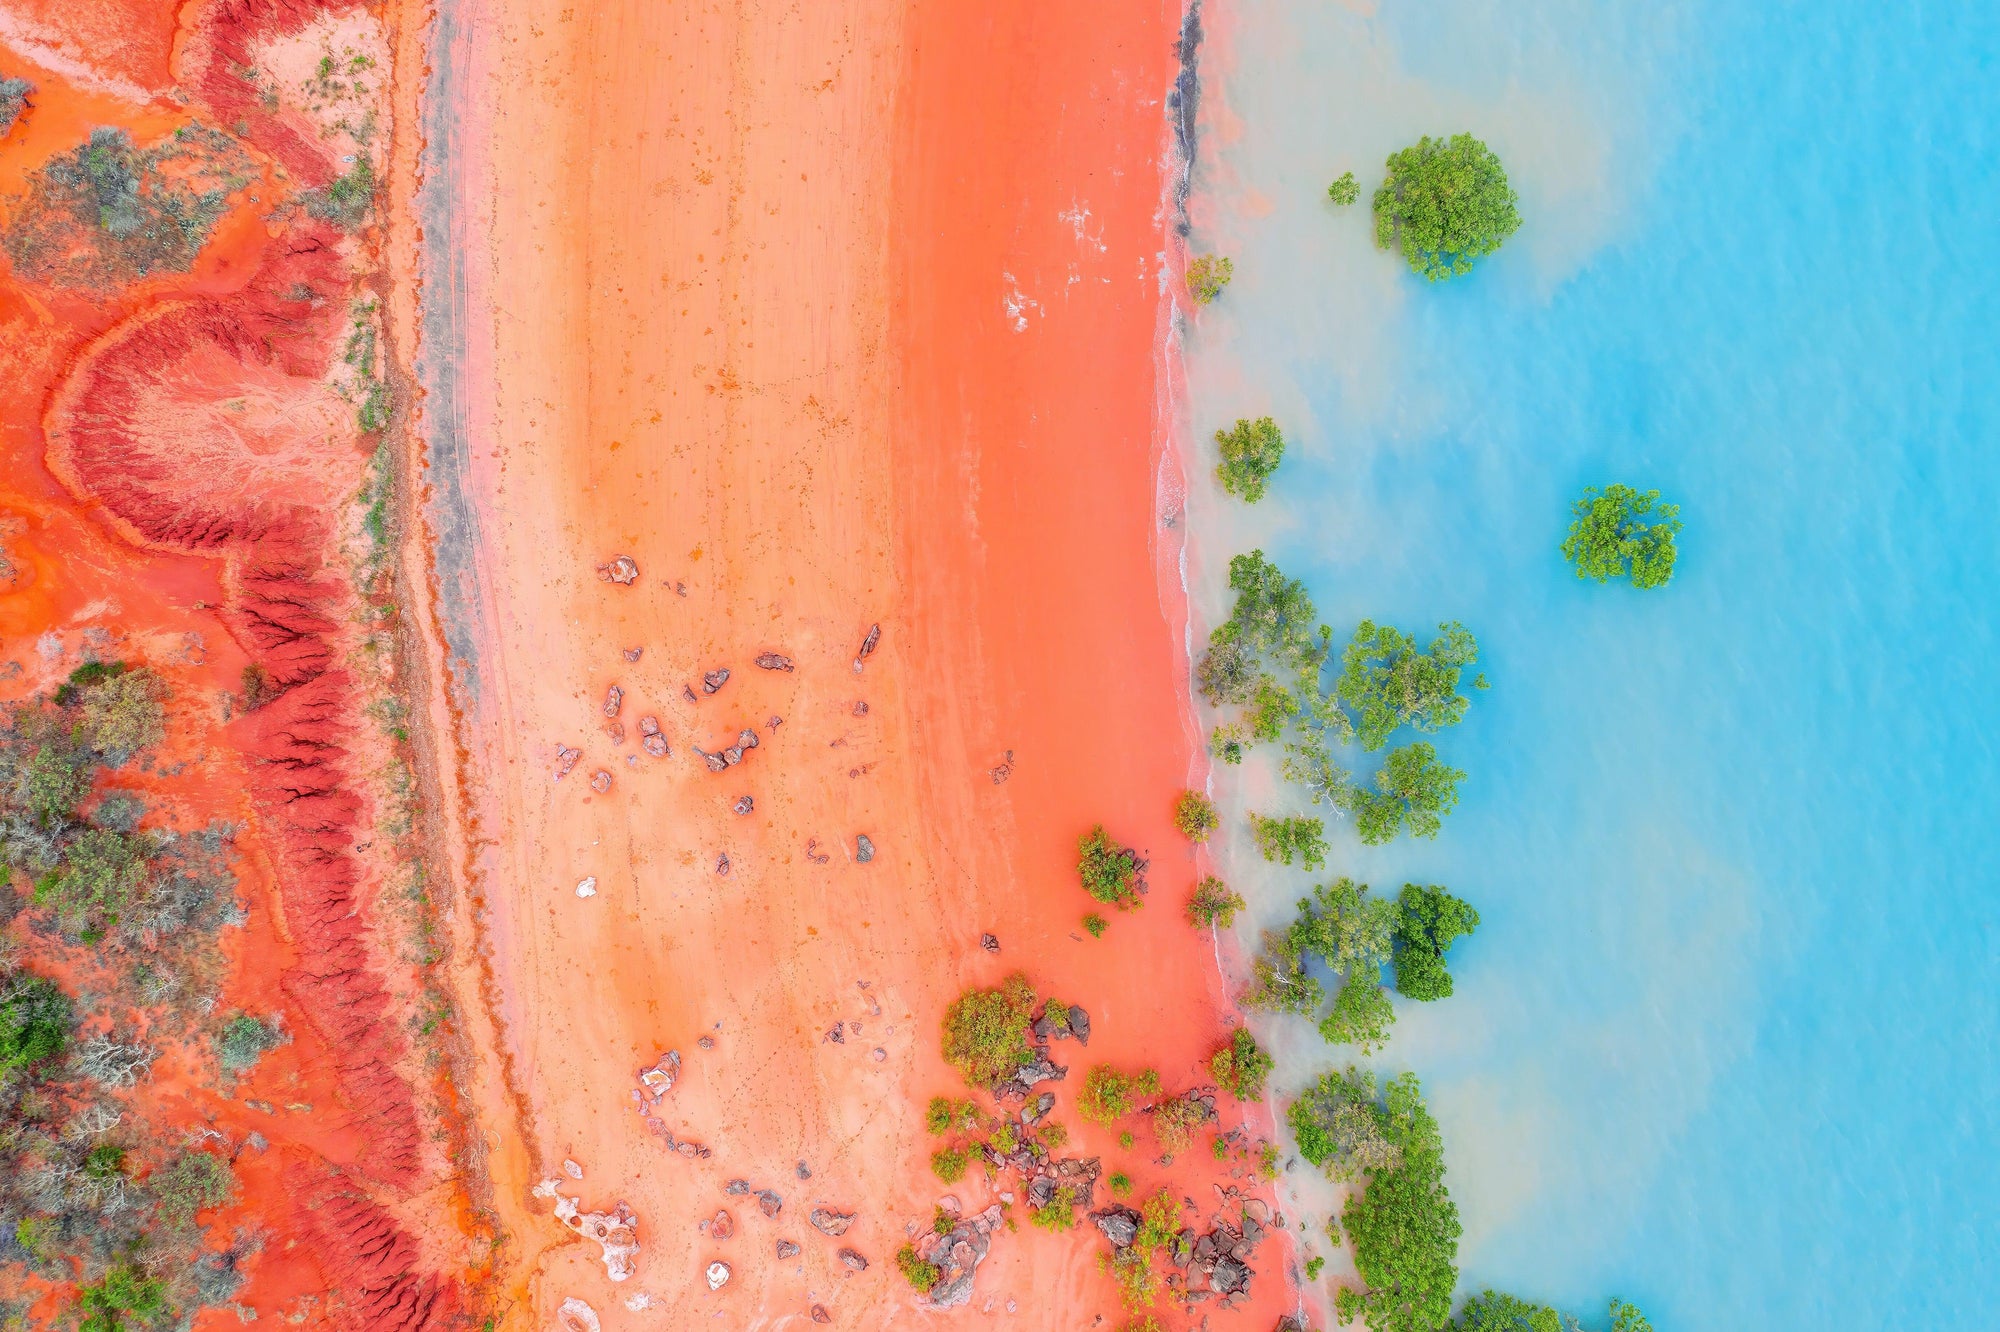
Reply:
x=1728, y=1039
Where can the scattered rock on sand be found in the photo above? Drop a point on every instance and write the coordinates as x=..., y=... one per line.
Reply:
x=616, y=730
x=687, y=691
x=853, y=1261
x=572, y=1169
x=576, y=1316
x=774, y=661
x=632, y=654
x=957, y=1255
x=1079, y=1024
x=600, y=781
x=714, y=680
x=620, y=569
x=769, y=1202
x=587, y=887
x=864, y=850
x=1002, y=770
x=829, y=1222
x=715, y=762
x=722, y=865
x=615, y=1231
x=655, y=744
x=736, y=1188
x=814, y=854
x=718, y=1275
x=990, y=942
x=801, y=1170
x=820, y=1315
x=860, y=707
x=565, y=760
x=868, y=646
x=787, y=1249
x=1120, y=1225
x=614, y=699
x=658, y=1080
x=744, y=804
x=723, y=1226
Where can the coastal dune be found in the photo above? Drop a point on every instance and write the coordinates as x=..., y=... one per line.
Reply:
x=826, y=336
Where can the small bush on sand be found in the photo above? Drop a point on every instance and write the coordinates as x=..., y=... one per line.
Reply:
x=245, y=1040
x=1109, y=1095
x=920, y=1274
x=1096, y=925
x=1112, y=874
x=1207, y=276
x=1241, y=1066
x=948, y=1164
x=986, y=1031
x=1214, y=903
x=1195, y=816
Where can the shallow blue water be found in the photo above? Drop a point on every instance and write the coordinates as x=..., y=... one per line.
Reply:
x=1728, y=1039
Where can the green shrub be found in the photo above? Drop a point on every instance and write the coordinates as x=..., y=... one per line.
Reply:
x=1344, y=191
x=1361, y=1016
x=920, y=1274
x=1111, y=873
x=1619, y=532
x=126, y=1298
x=986, y=1031
x=1195, y=816
x=1175, y=1120
x=122, y=714
x=104, y=1161
x=941, y=1115
x=1388, y=683
x=54, y=780
x=101, y=872
x=84, y=676
x=1414, y=790
x=244, y=1040
x=1278, y=979
x=195, y=1182
x=1445, y=203
x=1404, y=1225
x=1251, y=451
x=1108, y=1095
x=1284, y=839
x=1272, y=707
x=948, y=1164
x=1096, y=925
x=1207, y=276
x=1213, y=903
x=1241, y=1066
x=1226, y=673
x=1430, y=920
x=1120, y=1184
x=1059, y=1213
x=37, y=1235
x=35, y=1021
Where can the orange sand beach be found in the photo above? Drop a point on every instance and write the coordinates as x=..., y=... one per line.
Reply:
x=826, y=316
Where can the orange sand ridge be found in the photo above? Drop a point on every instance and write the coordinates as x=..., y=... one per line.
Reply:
x=827, y=316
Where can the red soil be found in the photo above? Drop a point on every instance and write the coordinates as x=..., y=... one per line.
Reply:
x=190, y=420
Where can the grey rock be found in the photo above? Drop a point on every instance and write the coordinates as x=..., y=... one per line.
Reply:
x=787, y=1249
x=1079, y=1024
x=747, y=738
x=714, y=680
x=991, y=943
x=656, y=745
x=744, y=804
x=736, y=1188
x=774, y=661
x=852, y=1261
x=1120, y=1225
x=1229, y=1276
x=829, y=1222
x=868, y=644
x=770, y=1202
x=715, y=762
x=864, y=849
x=633, y=654
x=614, y=699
